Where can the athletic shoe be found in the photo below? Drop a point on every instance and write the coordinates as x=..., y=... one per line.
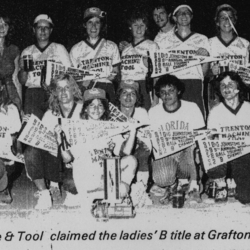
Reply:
x=5, y=197
x=221, y=194
x=72, y=200
x=183, y=187
x=55, y=193
x=169, y=192
x=194, y=196
x=157, y=191
x=44, y=199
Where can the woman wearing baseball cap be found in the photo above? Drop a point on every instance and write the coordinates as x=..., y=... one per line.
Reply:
x=227, y=45
x=87, y=158
x=129, y=102
x=95, y=53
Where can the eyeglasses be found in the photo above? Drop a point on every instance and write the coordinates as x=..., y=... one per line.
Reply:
x=41, y=28
x=169, y=92
x=185, y=13
x=225, y=18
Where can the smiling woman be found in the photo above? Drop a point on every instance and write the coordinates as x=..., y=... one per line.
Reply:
x=231, y=111
x=134, y=64
x=97, y=54
x=226, y=45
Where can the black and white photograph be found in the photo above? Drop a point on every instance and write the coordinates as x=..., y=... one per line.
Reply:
x=124, y=124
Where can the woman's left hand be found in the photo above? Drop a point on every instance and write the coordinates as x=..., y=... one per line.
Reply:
x=202, y=52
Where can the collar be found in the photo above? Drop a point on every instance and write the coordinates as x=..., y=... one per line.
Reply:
x=234, y=111
x=172, y=111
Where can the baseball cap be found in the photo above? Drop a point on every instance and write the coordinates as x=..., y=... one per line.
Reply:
x=94, y=93
x=129, y=84
x=43, y=17
x=3, y=177
x=93, y=12
x=224, y=7
x=182, y=6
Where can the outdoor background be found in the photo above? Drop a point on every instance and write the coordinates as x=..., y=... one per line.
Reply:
x=67, y=16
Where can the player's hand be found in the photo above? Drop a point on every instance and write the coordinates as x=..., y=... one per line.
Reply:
x=21, y=63
x=58, y=130
x=20, y=156
x=26, y=118
x=123, y=45
x=202, y=52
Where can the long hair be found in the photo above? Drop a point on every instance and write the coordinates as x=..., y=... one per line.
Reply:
x=54, y=104
x=4, y=96
x=105, y=116
x=9, y=36
x=235, y=77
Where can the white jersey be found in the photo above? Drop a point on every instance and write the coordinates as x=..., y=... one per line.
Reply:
x=53, y=52
x=51, y=120
x=141, y=115
x=132, y=66
x=162, y=38
x=10, y=123
x=187, y=117
x=235, y=51
x=193, y=41
x=222, y=116
x=83, y=53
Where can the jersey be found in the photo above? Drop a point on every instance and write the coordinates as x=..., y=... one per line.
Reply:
x=50, y=119
x=54, y=52
x=132, y=66
x=162, y=38
x=222, y=116
x=235, y=51
x=187, y=117
x=88, y=158
x=10, y=123
x=141, y=115
x=83, y=53
x=193, y=41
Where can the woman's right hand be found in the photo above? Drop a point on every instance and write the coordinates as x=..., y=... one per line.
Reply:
x=25, y=118
x=123, y=45
x=58, y=130
x=216, y=69
x=21, y=63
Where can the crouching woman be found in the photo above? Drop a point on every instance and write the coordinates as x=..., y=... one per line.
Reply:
x=87, y=160
x=232, y=111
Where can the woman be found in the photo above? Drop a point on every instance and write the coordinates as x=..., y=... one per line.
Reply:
x=87, y=158
x=134, y=64
x=130, y=104
x=9, y=56
x=97, y=54
x=184, y=38
x=231, y=111
x=9, y=121
x=227, y=44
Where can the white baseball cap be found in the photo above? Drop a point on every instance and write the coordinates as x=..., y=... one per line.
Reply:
x=43, y=17
x=182, y=6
